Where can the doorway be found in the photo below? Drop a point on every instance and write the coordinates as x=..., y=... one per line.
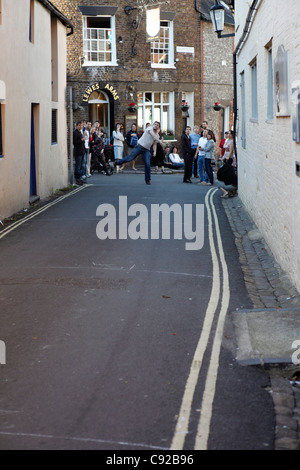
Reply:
x=99, y=110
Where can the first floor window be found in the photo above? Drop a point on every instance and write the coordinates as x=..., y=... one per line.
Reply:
x=31, y=21
x=254, y=103
x=99, y=46
x=270, y=112
x=162, y=49
x=156, y=106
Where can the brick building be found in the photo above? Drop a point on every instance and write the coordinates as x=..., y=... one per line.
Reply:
x=110, y=64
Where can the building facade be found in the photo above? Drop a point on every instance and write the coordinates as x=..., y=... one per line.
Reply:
x=112, y=64
x=33, y=136
x=216, y=71
x=268, y=84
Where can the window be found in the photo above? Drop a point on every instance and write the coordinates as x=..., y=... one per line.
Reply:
x=243, y=110
x=54, y=59
x=31, y=21
x=99, y=44
x=54, y=127
x=254, y=104
x=156, y=106
x=1, y=131
x=162, y=49
x=270, y=112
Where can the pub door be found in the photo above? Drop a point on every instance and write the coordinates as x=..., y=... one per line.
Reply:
x=99, y=110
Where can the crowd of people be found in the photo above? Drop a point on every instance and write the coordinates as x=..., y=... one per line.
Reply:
x=197, y=160
x=198, y=148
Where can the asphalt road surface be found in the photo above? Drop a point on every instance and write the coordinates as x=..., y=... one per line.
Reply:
x=126, y=344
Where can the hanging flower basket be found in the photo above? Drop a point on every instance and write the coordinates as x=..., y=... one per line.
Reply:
x=132, y=108
x=184, y=107
x=217, y=107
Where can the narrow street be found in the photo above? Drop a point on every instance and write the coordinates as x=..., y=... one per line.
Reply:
x=124, y=344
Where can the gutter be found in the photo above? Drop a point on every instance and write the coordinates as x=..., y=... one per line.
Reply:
x=54, y=11
x=253, y=8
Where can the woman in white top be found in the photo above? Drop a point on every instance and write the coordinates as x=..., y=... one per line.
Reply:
x=118, y=142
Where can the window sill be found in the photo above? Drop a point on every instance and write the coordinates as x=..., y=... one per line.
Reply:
x=254, y=120
x=100, y=64
x=164, y=66
x=270, y=121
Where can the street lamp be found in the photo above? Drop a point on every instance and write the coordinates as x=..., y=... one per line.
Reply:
x=217, y=13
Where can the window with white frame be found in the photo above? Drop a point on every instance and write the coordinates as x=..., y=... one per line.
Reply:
x=99, y=43
x=243, y=110
x=270, y=108
x=156, y=106
x=162, y=49
x=254, y=102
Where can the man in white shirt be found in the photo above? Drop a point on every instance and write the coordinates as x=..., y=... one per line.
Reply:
x=149, y=137
x=201, y=157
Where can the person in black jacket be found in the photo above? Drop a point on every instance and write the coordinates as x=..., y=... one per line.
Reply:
x=187, y=154
x=227, y=178
x=79, y=151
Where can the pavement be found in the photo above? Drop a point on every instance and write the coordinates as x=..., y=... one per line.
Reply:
x=266, y=333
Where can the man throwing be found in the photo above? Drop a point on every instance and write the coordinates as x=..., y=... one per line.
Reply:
x=143, y=146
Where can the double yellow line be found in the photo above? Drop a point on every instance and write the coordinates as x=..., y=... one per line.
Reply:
x=219, y=291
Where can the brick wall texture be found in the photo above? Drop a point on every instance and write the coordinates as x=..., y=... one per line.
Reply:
x=201, y=73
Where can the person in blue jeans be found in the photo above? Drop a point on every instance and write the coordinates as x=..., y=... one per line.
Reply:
x=209, y=150
x=201, y=158
x=195, y=136
x=150, y=137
